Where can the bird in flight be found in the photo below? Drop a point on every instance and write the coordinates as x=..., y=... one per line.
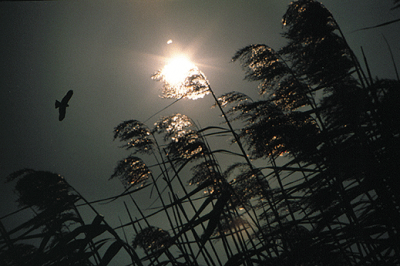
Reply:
x=62, y=106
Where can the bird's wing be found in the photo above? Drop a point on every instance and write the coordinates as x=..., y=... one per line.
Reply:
x=67, y=97
x=61, y=112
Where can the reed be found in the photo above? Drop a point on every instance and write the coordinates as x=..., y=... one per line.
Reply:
x=313, y=179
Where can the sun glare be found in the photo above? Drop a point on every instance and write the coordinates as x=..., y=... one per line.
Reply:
x=182, y=79
x=177, y=69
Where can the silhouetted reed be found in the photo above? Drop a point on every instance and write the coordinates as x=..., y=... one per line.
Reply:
x=313, y=179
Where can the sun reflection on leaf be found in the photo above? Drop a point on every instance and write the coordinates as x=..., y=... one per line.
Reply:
x=181, y=133
x=174, y=126
x=131, y=171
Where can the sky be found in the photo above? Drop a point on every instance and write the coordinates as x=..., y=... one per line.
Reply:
x=106, y=52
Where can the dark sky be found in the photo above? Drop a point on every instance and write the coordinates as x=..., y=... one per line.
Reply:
x=106, y=52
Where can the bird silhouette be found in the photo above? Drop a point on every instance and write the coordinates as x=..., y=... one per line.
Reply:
x=62, y=106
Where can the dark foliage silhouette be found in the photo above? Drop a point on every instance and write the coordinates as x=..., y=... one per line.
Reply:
x=313, y=179
x=62, y=106
x=396, y=4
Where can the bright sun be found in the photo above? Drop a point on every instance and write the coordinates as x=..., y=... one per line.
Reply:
x=177, y=69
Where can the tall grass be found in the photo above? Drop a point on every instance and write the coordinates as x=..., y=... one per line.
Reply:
x=313, y=182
